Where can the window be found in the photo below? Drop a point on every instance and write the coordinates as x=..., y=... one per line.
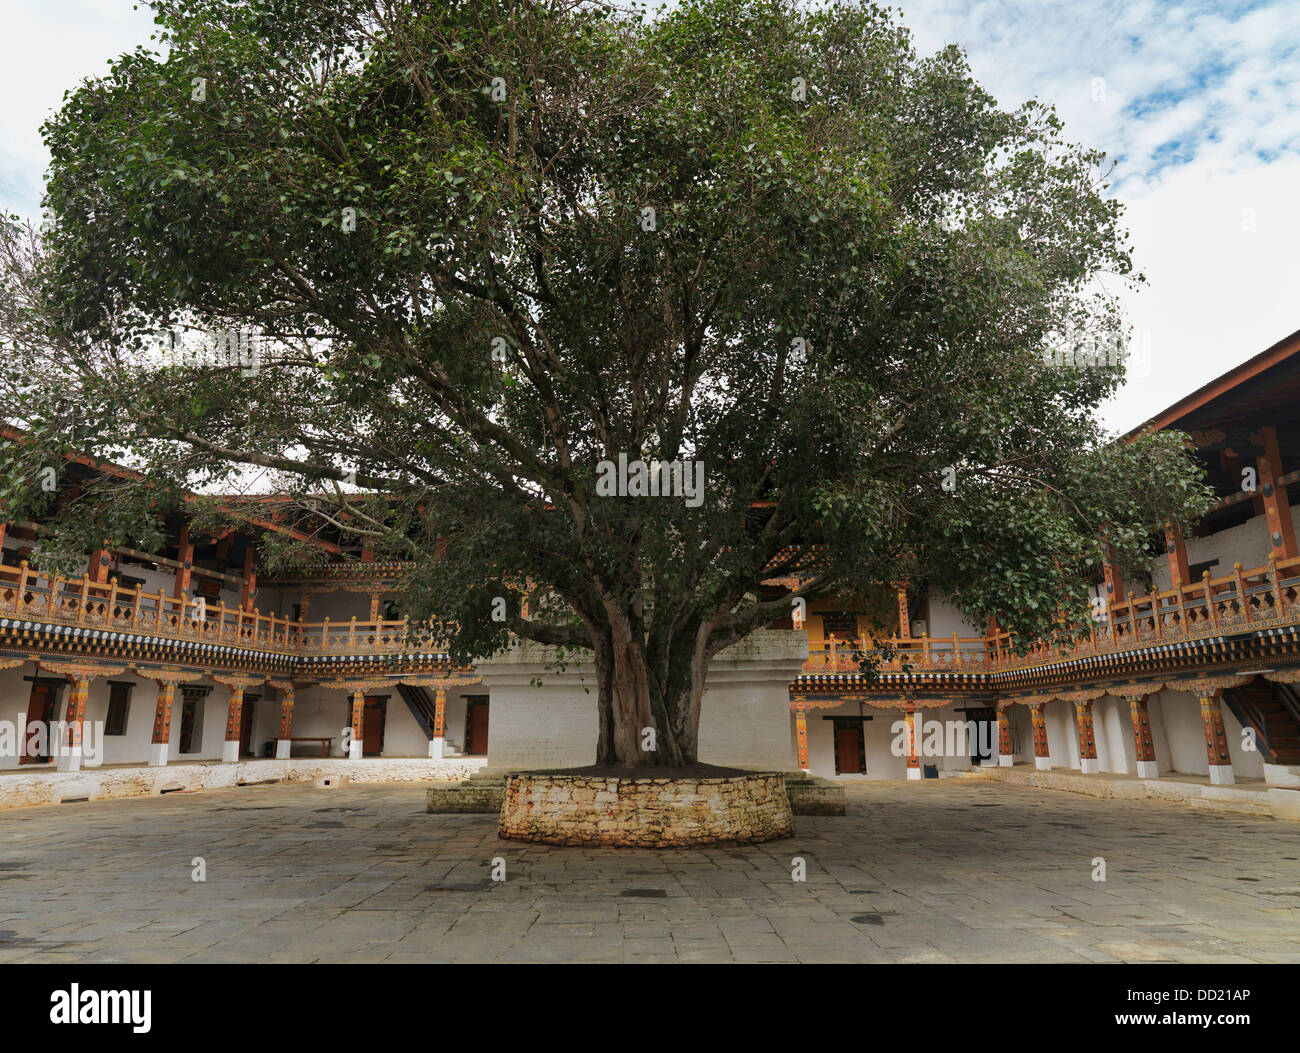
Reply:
x=119, y=703
x=843, y=624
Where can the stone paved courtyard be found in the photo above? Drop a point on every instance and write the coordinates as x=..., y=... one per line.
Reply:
x=948, y=870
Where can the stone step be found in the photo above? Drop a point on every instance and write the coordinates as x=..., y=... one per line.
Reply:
x=813, y=795
x=468, y=796
x=483, y=792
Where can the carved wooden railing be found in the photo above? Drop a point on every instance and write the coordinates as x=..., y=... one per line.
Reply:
x=1259, y=597
x=1262, y=596
x=30, y=595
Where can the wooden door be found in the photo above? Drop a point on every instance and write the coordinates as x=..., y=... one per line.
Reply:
x=246, y=728
x=848, y=755
x=186, y=744
x=40, y=709
x=476, y=720
x=372, y=727
x=189, y=718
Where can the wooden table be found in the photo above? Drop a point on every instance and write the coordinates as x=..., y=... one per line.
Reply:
x=325, y=744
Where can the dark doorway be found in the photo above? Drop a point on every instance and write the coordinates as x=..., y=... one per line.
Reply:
x=476, y=726
x=246, y=725
x=191, y=734
x=983, y=716
x=42, y=706
x=372, y=727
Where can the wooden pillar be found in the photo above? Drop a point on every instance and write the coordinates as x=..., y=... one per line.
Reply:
x=801, y=731
x=358, y=725
x=438, y=746
x=69, y=758
x=185, y=556
x=1144, y=746
x=234, y=724
x=1042, y=755
x=1216, y=740
x=1176, y=549
x=304, y=606
x=1277, y=508
x=162, y=724
x=1005, y=758
x=374, y=606
x=100, y=560
x=904, y=619
x=1113, y=588
x=249, y=593
x=284, y=743
x=1087, y=738
x=913, y=761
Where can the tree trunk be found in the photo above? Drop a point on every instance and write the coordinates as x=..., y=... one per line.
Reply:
x=639, y=726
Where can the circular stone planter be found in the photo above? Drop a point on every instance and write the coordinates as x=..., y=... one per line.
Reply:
x=644, y=811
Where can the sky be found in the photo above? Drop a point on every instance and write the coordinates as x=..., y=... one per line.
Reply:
x=1197, y=103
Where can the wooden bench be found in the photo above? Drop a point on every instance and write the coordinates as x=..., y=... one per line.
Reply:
x=325, y=744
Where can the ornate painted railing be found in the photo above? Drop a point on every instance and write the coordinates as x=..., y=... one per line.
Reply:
x=1263, y=596
x=1260, y=597
x=30, y=595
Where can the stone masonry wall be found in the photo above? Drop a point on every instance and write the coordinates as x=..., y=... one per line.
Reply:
x=22, y=788
x=645, y=813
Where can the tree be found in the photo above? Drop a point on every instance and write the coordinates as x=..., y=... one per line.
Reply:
x=484, y=251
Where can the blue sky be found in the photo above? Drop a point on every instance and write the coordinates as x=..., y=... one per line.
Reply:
x=1198, y=102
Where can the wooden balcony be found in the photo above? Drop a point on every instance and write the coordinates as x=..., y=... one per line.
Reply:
x=29, y=595
x=1257, y=598
x=1261, y=597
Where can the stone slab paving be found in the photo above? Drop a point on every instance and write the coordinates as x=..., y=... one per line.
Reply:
x=938, y=871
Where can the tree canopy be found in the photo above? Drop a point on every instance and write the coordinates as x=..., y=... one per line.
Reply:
x=446, y=262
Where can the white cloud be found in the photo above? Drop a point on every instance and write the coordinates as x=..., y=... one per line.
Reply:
x=1199, y=110
x=50, y=47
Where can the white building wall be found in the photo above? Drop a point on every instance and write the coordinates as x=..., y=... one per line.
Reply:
x=133, y=746
x=1247, y=544
x=1062, y=735
x=1113, y=732
x=1180, y=714
x=15, y=693
x=1246, y=764
x=321, y=712
x=881, y=734
x=946, y=619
